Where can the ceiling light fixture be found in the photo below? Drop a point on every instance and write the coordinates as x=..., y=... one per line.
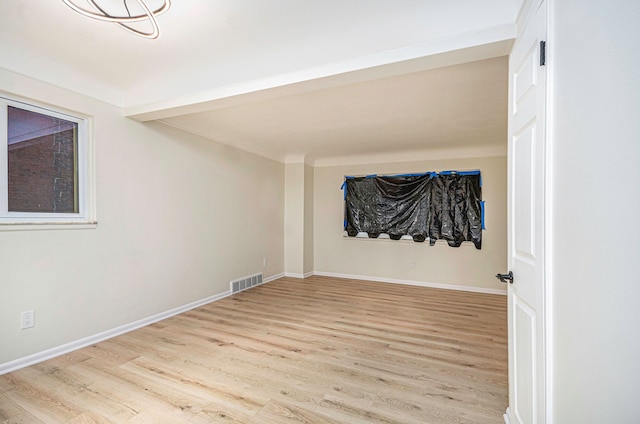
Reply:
x=145, y=14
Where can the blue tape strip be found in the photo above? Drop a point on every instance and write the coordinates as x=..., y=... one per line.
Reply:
x=430, y=174
x=476, y=172
x=412, y=175
x=345, y=224
x=482, y=214
x=344, y=185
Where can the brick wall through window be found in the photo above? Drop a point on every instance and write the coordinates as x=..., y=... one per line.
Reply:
x=42, y=169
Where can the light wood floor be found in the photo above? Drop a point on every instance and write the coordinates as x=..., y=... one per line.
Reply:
x=319, y=350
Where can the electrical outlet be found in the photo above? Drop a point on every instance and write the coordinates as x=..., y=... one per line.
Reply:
x=27, y=320
x=264, y=262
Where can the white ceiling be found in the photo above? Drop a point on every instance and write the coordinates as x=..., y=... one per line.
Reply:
x=289, y=79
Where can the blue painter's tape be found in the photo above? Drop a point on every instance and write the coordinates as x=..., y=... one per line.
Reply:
x=475, y=172
x=345, y=224
x=482, y=214
x=344, y=185
x=411, y=175
x=371, y=176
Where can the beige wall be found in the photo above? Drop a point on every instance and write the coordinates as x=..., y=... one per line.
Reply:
x=298, y=220
x=178, y=218
x=308, y=220
x=387, y=259
x=294, y=219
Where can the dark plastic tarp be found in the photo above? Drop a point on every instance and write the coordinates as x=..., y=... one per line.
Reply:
x=445, y=206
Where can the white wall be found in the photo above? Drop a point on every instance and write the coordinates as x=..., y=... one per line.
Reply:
x=465, y=266
x=178, y=218
x=594, y=209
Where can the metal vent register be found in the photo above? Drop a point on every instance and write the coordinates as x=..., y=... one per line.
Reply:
x=246, y=283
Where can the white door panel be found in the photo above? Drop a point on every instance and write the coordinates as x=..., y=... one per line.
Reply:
x=527, y=98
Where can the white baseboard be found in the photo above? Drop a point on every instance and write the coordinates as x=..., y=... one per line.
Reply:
x=413, y=283
x=35, y=358
x=506, y=417
x=296, y=275
x=272, y=278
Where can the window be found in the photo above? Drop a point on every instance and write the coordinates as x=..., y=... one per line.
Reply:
x=45, y=179
x=435, y=206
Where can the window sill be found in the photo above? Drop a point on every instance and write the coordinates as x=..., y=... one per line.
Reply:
x=43, y=226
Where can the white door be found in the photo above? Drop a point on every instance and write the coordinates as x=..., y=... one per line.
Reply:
x=527, y=97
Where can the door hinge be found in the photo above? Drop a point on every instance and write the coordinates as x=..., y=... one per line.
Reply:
x=543, y=53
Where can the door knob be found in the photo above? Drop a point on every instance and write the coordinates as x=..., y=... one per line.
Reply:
x=505, y=278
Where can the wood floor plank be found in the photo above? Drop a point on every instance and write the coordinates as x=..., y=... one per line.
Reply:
x=90, y=418
x=24, y=418
x=39, y=400
x=8, y=409
x=281, y=413
x=319, y=350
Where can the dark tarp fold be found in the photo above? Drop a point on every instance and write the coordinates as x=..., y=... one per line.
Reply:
x=444, y=206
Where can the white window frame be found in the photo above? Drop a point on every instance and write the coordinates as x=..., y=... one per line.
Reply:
x=48, y=220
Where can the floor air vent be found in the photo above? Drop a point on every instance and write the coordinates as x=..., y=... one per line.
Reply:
x=246, y=283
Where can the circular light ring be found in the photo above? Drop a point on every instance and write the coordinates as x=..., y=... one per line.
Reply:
x=104, y=16
x=124, y=20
